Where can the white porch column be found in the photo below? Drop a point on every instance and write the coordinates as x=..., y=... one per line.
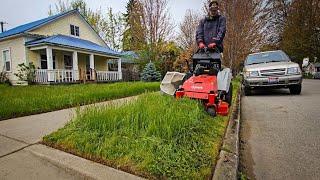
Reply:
x=119, y=69
x=92, y=67
x=50, y=64
x=75, y=65
x=91, y=61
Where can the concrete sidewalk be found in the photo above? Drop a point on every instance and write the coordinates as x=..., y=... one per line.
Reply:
x=22, y=158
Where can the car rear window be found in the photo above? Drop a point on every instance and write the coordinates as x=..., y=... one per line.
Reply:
x=265, y=57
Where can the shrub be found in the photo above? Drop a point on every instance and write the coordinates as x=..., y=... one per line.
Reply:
x=26, y=72
x=150, y=73
x=3, y=77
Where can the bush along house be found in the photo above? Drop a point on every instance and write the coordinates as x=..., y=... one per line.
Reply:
x=64, y=48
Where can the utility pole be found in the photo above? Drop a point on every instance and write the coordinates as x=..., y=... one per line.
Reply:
x=1, y=24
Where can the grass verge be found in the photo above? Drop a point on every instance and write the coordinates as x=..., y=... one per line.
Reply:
x=27, y=100
x=155, y=137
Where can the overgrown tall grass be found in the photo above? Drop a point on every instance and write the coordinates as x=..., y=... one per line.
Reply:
x=20, y=101
x=155, y=136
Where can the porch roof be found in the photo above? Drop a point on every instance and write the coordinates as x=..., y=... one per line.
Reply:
x=67, y=41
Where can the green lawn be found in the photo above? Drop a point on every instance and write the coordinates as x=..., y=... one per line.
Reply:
x=21, y=101
x=155, y=137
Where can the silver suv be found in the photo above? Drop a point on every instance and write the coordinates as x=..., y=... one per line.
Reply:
x=271, y=69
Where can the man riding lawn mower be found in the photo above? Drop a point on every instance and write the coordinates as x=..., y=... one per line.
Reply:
x=206, y=81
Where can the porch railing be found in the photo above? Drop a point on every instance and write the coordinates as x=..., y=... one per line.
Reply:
x=56, y=76
x=41, y=76
x=104, y=76
x=69, y=76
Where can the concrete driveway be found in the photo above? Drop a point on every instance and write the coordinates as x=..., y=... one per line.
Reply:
x=280, y=134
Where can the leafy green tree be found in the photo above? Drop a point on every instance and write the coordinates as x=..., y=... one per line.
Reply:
x=113, y=28
x=150, y=73
x=134, y=35
x=169, y=53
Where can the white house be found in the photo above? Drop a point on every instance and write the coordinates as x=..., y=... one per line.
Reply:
x=64, y=48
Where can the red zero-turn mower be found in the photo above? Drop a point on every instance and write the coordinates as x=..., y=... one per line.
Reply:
x=206, y=81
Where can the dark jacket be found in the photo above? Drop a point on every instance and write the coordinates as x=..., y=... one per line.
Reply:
x=210, y=28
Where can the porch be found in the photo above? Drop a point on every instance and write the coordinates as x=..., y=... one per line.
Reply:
x=69, y=76
x=80, y=61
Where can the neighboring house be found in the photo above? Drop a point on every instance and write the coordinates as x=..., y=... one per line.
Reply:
x=129, y=66
x=64, y=48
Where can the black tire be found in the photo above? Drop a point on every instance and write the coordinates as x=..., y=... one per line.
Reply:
x=228, y=97
x=295, y=89
x=246, y=91
x=211, y=111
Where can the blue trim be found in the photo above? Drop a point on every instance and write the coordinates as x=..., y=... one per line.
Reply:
x=67, y=41
x=29, y=26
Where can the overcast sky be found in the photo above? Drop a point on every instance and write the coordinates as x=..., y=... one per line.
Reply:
x=18, y=12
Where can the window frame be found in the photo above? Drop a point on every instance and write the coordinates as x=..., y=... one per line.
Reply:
x=75, y=30
x=5, y=60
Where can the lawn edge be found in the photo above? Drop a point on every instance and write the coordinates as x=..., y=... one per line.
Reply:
x=228, y=159
x=73, y=106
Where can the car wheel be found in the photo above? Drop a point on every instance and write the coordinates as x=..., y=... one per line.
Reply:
x=246, y=91
x=295, y=89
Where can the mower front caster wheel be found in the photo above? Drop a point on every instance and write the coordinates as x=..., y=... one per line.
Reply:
x=212, y=112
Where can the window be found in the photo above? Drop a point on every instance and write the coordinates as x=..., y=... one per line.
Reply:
x=44, y=64
x=74, y=30
x=112, y=65
x=6, y=59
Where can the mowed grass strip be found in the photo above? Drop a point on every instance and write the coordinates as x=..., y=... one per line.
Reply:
x=27, y=100
x=155, y=137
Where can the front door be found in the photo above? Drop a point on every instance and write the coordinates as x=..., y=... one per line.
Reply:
x=67, y=62
x=88, y=70
x=68, y=66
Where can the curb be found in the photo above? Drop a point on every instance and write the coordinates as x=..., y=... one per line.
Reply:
x=78, y=166
x=227, y=165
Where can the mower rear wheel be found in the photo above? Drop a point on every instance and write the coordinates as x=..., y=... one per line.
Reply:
x=211, y=111
x=228, y=97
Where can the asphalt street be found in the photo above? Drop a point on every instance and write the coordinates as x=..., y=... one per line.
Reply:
x=280, y=134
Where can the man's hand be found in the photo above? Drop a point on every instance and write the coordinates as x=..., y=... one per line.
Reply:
x=201, y=45
x=212, y=45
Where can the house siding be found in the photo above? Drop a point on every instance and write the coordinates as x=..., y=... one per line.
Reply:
x=62, y=26
x=17, y=54
x=100, y=63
